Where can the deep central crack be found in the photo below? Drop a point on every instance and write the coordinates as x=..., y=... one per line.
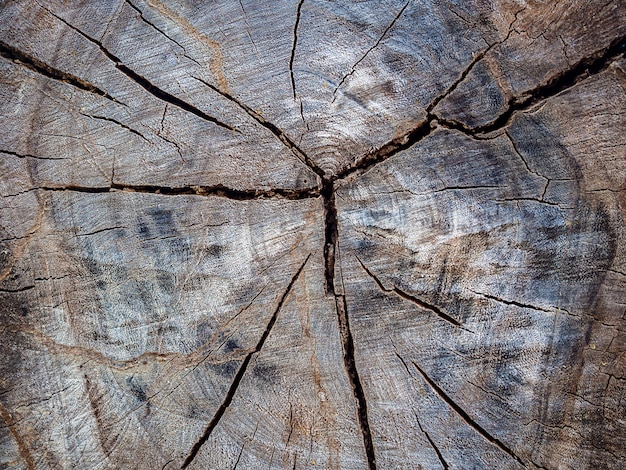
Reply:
x=330, y=234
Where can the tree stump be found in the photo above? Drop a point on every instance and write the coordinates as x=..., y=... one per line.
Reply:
x=313, y=234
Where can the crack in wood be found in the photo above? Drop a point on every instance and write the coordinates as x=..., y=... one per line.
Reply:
x=114, y=121
x=281, y=135
x=473, y=424
x=36, y=65
x=558, y=83
x=145, y=20
x=476, y=58
x=293, y=49
x=147, y=84
x=331, y=233
x=382, y=36
x=17, y=289
x=512, y=302
x=241, y=372
x=443, y=462
x=27, y=155
x=205, y=191
x=528, y=199
x=353, y=375
x=406, y=296
x=584, y=68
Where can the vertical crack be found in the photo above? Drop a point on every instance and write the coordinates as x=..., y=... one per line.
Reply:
x=293, y=48
x=330, y=234
x=241, y=372
x=245, y=19
x=353, y=375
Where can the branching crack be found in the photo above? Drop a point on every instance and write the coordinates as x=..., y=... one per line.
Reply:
x=473, y=424
x=584, y=68
x=562, y=81
x=46, y=70
x=284, y=138
x=145, y=83
x=242, y=370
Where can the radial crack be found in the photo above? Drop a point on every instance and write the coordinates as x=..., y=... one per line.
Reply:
x=403, y=142
x=331, y=233
x=27, y=155
x=558, y=83
x=382, y=36
x=152, y=25
x=36, y=65
x=473, y=424
x=290, y=144
x=216, y=190
x=583, y=69
x=476, y=58
x=511, y=302
x=245, y=19
x=104, y=118
x=293, y=48
x=420, y=303
x=353, y=375
x=443, y=462
x=242, y=370
x=145, y=83
x=519, y=154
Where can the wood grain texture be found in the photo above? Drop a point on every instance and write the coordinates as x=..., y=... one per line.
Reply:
x=312, y=234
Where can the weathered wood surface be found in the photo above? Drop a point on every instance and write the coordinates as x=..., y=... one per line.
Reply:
x=312, y=234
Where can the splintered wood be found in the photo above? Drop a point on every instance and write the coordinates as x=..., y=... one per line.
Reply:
x=312, y=234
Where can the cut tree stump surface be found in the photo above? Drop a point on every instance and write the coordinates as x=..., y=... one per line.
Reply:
x=312, y=234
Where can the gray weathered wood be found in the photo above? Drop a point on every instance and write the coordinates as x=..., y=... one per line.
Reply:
x=312, y=234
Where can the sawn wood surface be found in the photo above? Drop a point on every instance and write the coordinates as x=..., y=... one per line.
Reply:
x=312, y=234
